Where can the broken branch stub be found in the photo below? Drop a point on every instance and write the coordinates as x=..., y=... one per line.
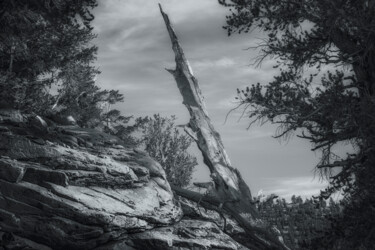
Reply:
x=228, y=180
x=230, y=192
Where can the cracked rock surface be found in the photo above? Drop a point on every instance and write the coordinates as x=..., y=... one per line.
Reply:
x=72, y=188
x=66, y=187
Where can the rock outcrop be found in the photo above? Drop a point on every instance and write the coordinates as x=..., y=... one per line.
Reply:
x=66, y=187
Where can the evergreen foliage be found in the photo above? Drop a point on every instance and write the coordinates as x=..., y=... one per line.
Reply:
x=46, y=46
x=164, y=142
x=327, y=107
x=301, y=223
x=38, y=39
x=112, y=122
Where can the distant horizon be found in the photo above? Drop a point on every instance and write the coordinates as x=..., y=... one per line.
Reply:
x=134, y=50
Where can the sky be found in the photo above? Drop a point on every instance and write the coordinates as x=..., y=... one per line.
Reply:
x=134, y=50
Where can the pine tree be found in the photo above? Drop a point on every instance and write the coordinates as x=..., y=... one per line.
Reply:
x=327, y=107
x=40, y=42
x=164, y=142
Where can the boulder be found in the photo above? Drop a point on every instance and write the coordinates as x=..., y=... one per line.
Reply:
x=11, y=170
x=92, y=193
x=67, y=197
x=186, y=234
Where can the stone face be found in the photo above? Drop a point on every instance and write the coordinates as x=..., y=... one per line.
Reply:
x=14, y=242
x=39, y=176
x=11, y=170
x=66, y=196
x=74, y=188
x=186, y=234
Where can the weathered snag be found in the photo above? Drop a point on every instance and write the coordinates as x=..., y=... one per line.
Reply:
x=228, y=183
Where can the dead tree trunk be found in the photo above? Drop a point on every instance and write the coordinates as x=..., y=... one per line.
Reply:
x=228, y=181
x=230, y=190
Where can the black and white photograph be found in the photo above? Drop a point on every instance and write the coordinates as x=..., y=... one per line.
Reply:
x=195, y=124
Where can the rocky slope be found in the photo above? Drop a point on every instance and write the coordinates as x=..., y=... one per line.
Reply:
x=65, y=187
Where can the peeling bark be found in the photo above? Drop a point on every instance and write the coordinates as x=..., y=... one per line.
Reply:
x=230, y=191
x=228, y=181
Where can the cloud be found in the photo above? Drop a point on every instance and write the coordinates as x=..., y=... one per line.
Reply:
x=223, y=62
x=305, y=186
x=134, y=50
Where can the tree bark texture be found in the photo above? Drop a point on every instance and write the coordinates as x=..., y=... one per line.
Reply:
x=231, y=192
x=259, y=235
x=228, y=181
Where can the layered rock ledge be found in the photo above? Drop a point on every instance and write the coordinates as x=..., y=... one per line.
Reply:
x=66, y=187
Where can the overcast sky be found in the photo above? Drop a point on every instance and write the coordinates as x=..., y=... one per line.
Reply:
x=134, y=49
